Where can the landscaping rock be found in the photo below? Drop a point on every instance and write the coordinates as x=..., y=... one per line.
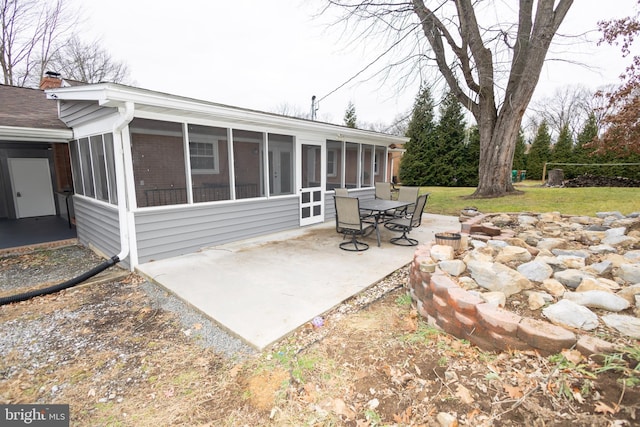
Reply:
x=629, y=293
x=598, y=299
x=536, y=271
x=498, y=277
x=627, y=325
x=571, y=277
x=442, y=253
x=629, y=273
x=554, y=287
x=536, y=300
x=569, y=314
x=454, y=267
x=510, y=254
x=551, y=243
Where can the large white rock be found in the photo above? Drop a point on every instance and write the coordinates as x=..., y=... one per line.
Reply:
x=572, y=315
x=598, y=299
x=571, y=261
x=536, y=271
x=627, y=325
x=633, y=256
x=550, y=243
x=615, y=232
x=442, y=252
x=571, y=278
x=513, y=254
x=484, y=254
x=454, y=267
x=498, y=277
x=629, y=273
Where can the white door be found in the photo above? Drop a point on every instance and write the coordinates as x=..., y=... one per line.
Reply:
x=312, y=184
x=32, y=189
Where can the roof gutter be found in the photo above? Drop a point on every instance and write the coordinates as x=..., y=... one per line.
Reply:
x=126, y=115
x=13, y=133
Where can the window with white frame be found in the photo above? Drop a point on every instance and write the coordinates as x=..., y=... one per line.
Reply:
x=203, y=156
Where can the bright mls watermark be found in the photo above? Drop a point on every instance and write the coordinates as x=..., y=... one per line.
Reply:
x=34, y=415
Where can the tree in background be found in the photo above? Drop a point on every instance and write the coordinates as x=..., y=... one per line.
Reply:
x=87, y=62
x=562, y=151
x=30, y=32
x=446, y=149
x=37, y=36
x=350, y=116
x=539, y=153
x=568, y=106
x=622, y=125
x=467, y=45
x=563, y=147
x=520, y=153
x=468, y=173
x=420, y=131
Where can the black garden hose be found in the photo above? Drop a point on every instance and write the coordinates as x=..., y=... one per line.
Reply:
x=64, y=285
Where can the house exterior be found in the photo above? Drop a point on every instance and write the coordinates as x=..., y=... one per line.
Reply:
x=35, y=172
x=157, y=175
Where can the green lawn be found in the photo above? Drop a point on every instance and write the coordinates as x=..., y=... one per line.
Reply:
x=536, y=199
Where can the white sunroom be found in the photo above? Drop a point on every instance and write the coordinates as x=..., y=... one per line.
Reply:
x=158, y=175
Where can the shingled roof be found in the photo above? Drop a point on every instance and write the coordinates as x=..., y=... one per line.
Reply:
x=28, y=108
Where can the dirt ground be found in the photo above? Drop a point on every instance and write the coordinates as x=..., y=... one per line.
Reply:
x=118, y=361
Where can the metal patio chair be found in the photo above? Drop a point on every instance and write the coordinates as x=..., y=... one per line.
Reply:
x=342, y=192
x=383, y=190
x=349, y=222
x=407, y=223
x=407, y=194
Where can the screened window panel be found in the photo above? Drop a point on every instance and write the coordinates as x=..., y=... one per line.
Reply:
x=334, y=164
x=248, y=155
x=280, y=164
x=85, y=163
x=74, y=153
x=209, y=159
x=157, y=149
x=351, y=168
x=367, y=165
x=380, y=164
x=99, y=168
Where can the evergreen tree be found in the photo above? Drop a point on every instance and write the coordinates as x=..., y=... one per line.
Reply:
x=564, y=146
x=350, y=116
x=520, y=153
x=468, y=172
x=562, y=152
x=539, y=153
x=446, y=151
x=419, y=132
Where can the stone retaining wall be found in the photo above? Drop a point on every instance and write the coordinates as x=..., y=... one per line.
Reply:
x=458, y=312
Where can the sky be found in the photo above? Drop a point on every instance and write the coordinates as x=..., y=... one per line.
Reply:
x=268, y=55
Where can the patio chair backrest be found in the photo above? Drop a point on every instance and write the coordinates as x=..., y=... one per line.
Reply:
x=416, y=217
x=342, y=192
x=347, y=213
x=383, y=190
x=408, y=194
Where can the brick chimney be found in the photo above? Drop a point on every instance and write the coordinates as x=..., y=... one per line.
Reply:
x=51, y=80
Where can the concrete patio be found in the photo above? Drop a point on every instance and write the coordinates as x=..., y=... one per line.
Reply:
x=263, y=289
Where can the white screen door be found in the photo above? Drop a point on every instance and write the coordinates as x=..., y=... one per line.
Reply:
x=311, y=191
x=32, y=189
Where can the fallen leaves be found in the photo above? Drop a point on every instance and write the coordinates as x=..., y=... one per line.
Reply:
x=602, y=408
x=464, y=395
x=514, y=392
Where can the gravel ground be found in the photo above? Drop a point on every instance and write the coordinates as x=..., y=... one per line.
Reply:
x=51, y=266
x=46, y=267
